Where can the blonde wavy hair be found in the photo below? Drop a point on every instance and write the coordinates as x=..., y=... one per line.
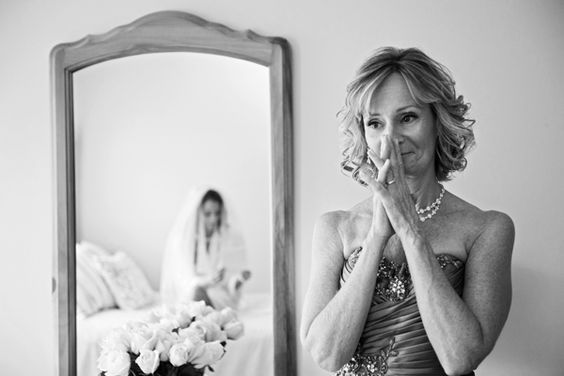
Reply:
x=429, y=82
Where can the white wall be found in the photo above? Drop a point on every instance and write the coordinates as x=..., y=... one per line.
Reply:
x=508, y=60
x=146, y=135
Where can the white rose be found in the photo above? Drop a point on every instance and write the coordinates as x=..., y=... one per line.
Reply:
x=114, y=363
x=148, y=361
x=207, y=355
x=168, y=324
x=199, y=309
x=234, y=329
x=198, y=329
x=192, y=335
x=215, y=317
x=227, y=315
x=164, y=342
x=215, y=333
x=179, y=353
x=143, y=339
x=212, y=331
x=184, y=317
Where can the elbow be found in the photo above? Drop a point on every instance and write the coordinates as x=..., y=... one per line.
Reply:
x=464, y=357
x=331, y=363
x=323, y=355
x=462, y=364
x=458, y=369
x=328, y=362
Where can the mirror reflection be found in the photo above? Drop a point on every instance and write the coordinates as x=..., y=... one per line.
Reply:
x=172, y=177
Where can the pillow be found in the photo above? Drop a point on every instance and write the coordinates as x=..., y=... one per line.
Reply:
x=92, y=292
x=126, y=280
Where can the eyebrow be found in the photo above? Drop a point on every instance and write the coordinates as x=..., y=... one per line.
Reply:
x=398, y=110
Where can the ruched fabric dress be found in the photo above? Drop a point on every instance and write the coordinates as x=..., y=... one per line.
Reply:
x=394, y=341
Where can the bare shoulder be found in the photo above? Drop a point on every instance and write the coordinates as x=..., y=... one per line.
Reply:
x=332, y=219
x=489, y=226
x=337, y=229
x=499, y=221
x=498, y=230
x=342, y=220
x=328, y=228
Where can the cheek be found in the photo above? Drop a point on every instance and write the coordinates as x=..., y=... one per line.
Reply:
x=424, y=140
x=430, y=143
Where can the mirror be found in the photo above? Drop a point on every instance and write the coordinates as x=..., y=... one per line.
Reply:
x=128, y=149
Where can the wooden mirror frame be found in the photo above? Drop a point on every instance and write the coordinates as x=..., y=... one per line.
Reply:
x=173, y=31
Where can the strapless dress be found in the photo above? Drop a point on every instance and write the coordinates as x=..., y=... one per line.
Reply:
x=394, y=341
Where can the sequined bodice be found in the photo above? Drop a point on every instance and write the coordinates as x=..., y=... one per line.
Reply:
x=394, y=341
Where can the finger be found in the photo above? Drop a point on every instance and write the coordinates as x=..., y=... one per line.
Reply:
x=369, y=179
x=384, y=148
x=393, y=160
x=397, y=151
x=383, y=173
x=366, y=174
x=378, y=162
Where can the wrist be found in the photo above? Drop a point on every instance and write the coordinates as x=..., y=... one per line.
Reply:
x=413, y=238
x=377, y=237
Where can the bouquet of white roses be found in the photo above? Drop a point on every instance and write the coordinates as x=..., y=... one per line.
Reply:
x=173, y=341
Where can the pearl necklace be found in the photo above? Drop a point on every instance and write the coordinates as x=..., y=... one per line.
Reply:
x=431, y=209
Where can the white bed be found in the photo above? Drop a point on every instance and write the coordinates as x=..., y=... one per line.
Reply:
x=252, y=354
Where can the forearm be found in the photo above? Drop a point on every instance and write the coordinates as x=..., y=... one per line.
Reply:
x=334, y=333
x=452, y=328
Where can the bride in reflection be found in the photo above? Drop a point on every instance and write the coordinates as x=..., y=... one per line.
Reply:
x=205, y=254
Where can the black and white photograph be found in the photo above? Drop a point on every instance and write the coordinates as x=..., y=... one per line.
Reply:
x=285, y=188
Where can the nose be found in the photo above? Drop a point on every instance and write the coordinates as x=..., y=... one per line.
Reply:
x=393, y=131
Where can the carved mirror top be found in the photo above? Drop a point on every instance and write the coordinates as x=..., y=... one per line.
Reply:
x=167, y=31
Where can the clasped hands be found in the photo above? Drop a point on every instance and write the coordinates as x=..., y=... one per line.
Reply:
x=219, y=276
x=393, y=206
x=213, y=279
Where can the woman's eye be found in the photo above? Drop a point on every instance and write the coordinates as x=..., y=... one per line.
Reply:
x=374, y=124
x=408, y=118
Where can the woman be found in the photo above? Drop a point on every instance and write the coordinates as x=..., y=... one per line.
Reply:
x=413, y=280
x=205, y=256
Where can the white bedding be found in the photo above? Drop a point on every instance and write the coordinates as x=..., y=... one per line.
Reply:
x=252, y=354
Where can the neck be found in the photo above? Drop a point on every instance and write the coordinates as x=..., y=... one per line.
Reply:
x=425, y=189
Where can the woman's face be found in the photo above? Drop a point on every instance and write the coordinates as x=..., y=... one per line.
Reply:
x=211, y=214
x=392, y=111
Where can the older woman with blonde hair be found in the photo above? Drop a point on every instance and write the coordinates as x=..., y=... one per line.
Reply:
x=413, y=280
